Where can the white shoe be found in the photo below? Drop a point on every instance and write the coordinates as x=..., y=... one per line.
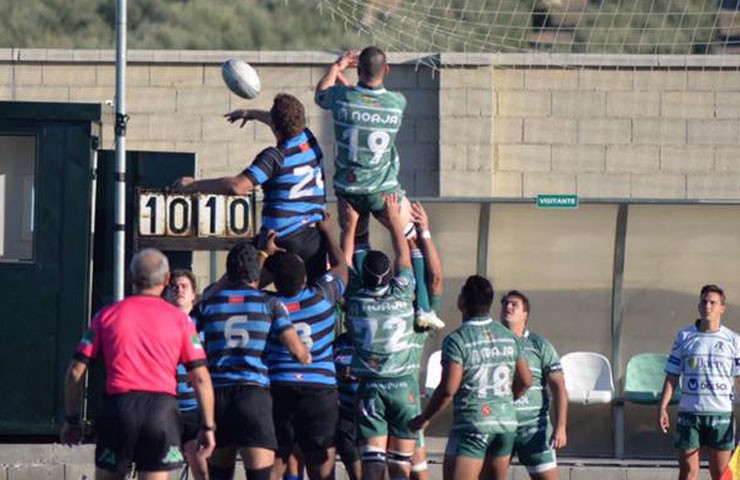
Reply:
x=429, y=319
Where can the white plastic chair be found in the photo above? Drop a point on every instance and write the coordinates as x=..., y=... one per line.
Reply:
x=434, y=372
x=588, y=377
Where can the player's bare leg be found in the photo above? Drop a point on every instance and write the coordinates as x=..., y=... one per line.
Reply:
x=419, y=469
x=461, y=468
x=320, y=465
x=400, y=453
x=688, y=464
x=552, y=474
x=718, y=460
x=497, y=467
x=196, y=463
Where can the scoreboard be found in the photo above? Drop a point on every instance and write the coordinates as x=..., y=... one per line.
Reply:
x=192, y=221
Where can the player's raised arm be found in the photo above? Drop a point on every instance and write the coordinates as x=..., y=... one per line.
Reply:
x=236, y=185
x=432, y=259
x=262, y=116
x=348, y=218
x=335, y=73
x=400, y=245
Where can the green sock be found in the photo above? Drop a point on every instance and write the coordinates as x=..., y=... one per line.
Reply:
x=422, y=293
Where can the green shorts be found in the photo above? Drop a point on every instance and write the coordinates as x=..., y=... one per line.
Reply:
x=370, y=202
x=479, y=445
x=715, y=430
x=532, y=447
x=385, y=407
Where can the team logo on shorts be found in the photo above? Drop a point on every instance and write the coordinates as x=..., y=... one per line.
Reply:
x=173, y=455
x=107, y=456
x=486, y=411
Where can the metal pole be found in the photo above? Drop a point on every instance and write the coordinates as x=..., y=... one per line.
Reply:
x=119, y=227
x=620, y=245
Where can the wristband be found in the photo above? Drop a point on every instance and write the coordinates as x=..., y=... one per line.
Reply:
x=426, y=234
x=72, y=419
x=208, y=428
x=264, y=254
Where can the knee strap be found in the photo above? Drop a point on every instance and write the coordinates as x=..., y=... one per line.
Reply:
x=399, y=458
x=259, y=473
x=372, y=455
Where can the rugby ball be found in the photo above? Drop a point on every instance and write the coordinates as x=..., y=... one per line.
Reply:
x=241, y=78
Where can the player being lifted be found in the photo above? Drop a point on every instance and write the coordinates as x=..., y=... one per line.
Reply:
x=367, y=118
x=292, y=181
x=484, y=370
x=536, y=440
x=381, y=314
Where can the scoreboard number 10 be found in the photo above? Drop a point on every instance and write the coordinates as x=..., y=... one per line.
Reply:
x=198, y=215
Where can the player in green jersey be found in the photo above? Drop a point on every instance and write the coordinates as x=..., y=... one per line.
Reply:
x=381, y=313
x=536, y=440
x=484, y=371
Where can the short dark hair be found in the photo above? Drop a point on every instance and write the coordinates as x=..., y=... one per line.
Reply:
x=181, y=272
x=477, y=295
x=288, y=272
x=243, y=264
x=371, y=63
x=377, y=270
x=712, y=288
x=287, y=115
x=519, y=295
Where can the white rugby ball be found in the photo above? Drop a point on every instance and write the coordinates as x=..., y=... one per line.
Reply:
x=241, y=78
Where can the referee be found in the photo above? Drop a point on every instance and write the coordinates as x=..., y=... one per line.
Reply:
x=141, y=339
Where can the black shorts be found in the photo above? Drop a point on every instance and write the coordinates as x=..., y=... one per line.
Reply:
x=346, y=439
x=244, y=417
x=309, y=244
x=304, y=415
x=190, y=424
x=139, y=427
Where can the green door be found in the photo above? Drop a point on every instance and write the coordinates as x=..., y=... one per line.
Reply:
x=46, y=159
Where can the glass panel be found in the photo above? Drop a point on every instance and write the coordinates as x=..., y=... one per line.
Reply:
x=562, y=260
x=17, y=177
x=672, y=250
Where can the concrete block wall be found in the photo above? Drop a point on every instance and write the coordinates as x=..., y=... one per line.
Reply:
x=611, y=127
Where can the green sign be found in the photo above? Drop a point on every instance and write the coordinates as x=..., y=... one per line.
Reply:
x=557, y=201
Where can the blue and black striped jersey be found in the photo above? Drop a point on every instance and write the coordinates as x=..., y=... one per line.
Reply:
x=185, y=393
x=347, y=384
x=312, y=314
x=235, y=324
x=293, y=183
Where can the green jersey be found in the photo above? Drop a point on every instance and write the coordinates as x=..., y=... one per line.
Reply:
x=543, y=360
x=366, y=122
x=383, y=329
x=488, y=352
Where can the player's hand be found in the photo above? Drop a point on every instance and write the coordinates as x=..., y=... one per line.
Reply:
x=348, y=216
x=244, y=115
x=71, y=434
x=392, y=208
x=206, y=443
x=183, y=182
x=559, y=438
x=418, y=423
x=271, y=246
x=347, y=59
x=664, y=422
x=326, y=225
x=419, y=216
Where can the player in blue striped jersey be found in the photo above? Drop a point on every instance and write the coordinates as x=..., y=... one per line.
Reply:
x=235, y=322
x=305, y=396
x=292, y=179
x=347, y=385
x=181, y=292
